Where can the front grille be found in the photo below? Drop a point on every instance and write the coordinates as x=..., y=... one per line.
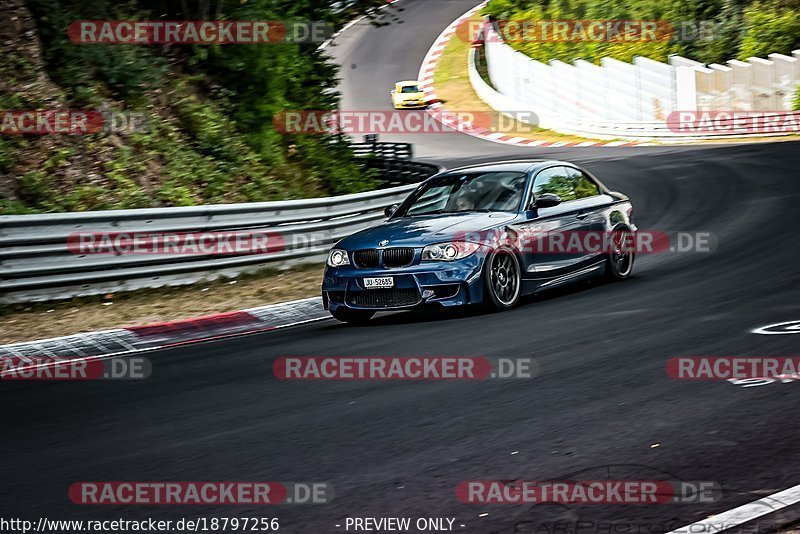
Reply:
x=366, y=258
x=384, y=298
x=398, y=257
x=392, y=257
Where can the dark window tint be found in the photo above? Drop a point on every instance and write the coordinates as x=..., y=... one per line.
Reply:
x=475, y=191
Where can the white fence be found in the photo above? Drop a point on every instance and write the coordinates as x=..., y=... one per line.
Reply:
x=630, y=100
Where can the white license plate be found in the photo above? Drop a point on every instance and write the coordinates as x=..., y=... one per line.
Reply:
x=373, y=283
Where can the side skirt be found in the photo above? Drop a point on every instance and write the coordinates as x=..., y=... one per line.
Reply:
x=590, y=271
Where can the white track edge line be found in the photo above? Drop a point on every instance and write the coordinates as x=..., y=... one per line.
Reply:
x=745, y=513
x=59, y=338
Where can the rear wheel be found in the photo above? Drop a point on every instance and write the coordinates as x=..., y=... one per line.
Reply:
x=619, y=262
x=347, y=315
x=502, y=280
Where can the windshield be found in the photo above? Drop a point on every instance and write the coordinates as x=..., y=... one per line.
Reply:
x=456, y=193
x=409, y=89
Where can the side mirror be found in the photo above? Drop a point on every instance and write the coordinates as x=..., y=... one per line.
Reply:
x=547, y=200
x=393, y=91
x=389, y=210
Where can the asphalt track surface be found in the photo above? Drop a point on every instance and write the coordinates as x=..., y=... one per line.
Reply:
x=602, y=399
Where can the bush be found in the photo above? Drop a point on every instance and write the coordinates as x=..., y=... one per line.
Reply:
x=210, y=110
x=734, y=29
x=769, y=30
x=124, y=71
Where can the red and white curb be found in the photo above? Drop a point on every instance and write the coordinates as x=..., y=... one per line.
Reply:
x=122, y=341
x=437, y=110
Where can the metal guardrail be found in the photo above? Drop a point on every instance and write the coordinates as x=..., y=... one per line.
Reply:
x=36, y=263
x=403, y=151
x=399, y=171
x=393, y=161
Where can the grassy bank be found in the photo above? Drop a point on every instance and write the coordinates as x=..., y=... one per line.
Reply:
x=208, y=136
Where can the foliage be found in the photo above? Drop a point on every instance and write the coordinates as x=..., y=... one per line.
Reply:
x=705, y=30
x=89, y=71
x=210, y=137
x=770, y=29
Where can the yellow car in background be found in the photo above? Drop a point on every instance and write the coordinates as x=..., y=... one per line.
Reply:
x=408, y=95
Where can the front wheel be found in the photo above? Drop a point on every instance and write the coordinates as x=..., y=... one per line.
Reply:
x=502, y=280
x=346, y=315
x=619, y=261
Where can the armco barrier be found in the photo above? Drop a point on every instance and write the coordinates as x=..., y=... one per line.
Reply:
x=37, y=264
x=393, y=162
x=394, y=151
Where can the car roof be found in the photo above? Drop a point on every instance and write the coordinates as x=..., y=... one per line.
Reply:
x=407, y=82
x=528, y=165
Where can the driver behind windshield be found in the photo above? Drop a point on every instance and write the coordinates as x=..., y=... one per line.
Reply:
x=491, y=191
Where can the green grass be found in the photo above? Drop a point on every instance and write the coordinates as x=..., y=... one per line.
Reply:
x=209, y=110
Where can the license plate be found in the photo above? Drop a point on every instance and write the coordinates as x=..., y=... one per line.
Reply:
x=374, y=283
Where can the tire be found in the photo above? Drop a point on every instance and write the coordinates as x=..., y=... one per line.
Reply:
x=502, y=280
x=349, y=316
x=619, y=263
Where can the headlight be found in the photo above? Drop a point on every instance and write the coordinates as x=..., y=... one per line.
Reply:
x=455, y=250
x=337, y=258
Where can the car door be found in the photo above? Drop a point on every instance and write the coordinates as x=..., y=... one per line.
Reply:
x=542, y=256
x=589, y=207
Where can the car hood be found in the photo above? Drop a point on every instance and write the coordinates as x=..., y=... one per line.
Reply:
x=423, y=230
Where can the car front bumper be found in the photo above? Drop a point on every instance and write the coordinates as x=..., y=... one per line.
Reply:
x=456, y=283
x=407, y=105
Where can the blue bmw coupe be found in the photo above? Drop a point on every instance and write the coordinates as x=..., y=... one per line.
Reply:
x=484, y=234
